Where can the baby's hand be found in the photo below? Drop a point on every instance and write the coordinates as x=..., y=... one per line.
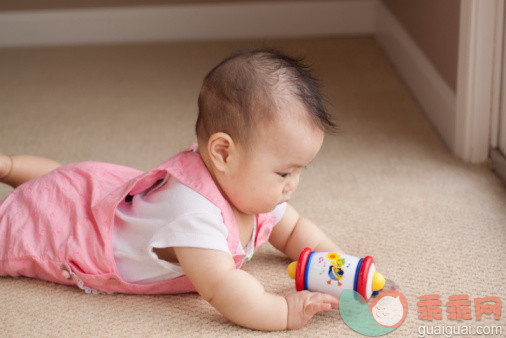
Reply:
x=303, y=305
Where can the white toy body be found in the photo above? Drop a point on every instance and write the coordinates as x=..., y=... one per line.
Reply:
x=332, y=273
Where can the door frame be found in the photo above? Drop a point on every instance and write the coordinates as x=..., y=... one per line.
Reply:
x=478, y=78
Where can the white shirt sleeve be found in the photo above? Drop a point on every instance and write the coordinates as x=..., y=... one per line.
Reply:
x=199, y=230
x=172, y=216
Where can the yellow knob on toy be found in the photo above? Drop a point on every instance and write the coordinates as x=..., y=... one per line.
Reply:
x=291, y=269
x=378, y=281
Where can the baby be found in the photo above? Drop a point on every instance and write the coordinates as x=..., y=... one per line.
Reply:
x=190, y=223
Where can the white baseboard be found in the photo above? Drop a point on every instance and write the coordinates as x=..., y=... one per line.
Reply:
x=186, y=22
x=499, y=164
x=432, y=92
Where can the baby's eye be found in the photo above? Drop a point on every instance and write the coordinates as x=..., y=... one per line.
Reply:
x=283, y=174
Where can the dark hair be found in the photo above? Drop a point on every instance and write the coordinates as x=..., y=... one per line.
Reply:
x=249, y=86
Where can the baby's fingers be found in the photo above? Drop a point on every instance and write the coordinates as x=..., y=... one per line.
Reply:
x=320, y=302
x=303, y=305
x=314, y=308
x=325, y=298
x=334, y=302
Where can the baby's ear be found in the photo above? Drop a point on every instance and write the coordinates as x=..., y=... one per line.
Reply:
x=220, y=147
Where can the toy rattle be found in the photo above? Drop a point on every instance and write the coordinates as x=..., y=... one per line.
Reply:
x=332, y=273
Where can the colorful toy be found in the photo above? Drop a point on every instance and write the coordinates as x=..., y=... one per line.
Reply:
x=332, y=273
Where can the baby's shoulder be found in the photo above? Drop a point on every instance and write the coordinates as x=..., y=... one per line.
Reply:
x=182, y=199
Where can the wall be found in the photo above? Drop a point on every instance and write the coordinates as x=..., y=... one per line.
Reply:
x=191, y=20
x=66, y=4
x=434, y=26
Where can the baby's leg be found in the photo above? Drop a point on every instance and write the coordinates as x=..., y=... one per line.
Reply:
x=18, y=169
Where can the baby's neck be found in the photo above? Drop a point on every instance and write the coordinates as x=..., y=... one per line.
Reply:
x=245, y=224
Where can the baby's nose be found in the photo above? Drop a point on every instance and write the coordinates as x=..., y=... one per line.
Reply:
x=291, y=185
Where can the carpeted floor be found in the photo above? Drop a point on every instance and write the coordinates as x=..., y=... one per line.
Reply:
x=384, y=186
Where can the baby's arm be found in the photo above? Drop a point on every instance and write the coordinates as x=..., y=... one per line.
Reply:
x=294, y=233
x=241, y=298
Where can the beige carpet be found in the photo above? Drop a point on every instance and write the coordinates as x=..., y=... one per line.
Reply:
x=384, y=186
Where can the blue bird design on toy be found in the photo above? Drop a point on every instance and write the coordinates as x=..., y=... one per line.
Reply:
x=335, y=271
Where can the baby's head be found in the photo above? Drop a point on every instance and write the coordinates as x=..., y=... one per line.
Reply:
x=261, y=120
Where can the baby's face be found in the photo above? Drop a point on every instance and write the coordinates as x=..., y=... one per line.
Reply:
x=268, y=173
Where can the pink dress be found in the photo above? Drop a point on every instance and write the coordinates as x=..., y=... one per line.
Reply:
x=58, y=227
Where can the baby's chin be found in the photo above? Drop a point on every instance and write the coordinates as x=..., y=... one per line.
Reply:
x=258, y=210
x=270, y=208
x=246, y=207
